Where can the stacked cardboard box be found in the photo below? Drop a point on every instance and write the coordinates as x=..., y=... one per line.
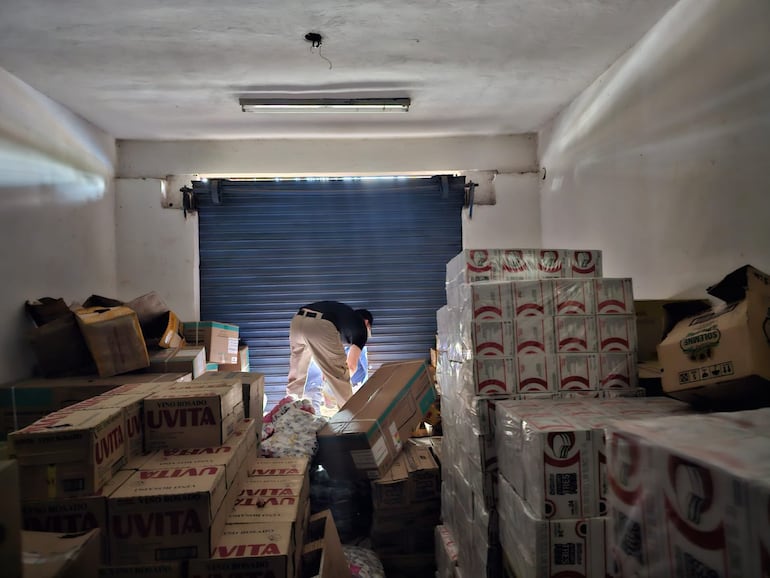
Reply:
x=25, y=401
x=10, y=519
x=690, y=495
x=553, y=484
x=253, y=388
x=519, y=323
x=265, y=530
x=406, y=508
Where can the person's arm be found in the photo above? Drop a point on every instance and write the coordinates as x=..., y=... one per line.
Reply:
x=353, y=354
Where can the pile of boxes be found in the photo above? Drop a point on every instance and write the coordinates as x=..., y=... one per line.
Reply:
x=519, y=323
x=553, y=486
x=690, y=495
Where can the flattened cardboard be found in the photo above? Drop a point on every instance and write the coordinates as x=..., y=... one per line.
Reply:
x=367, y=433
x=322, y=555
x=114, y=338
x=722, y=356
x=48, y=555
x=10, y=519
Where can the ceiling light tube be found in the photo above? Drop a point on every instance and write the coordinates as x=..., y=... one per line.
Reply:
x=342, y=105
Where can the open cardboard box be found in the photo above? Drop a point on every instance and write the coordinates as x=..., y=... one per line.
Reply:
x=721, y=357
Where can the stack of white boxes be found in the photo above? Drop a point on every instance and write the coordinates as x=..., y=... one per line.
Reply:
x=553, y=487
x=519, y=323
x=690, y=495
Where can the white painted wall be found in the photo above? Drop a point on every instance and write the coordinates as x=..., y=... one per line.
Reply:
x=57, y=212
x=663, y=162
x=157, y=249
x=514, y=219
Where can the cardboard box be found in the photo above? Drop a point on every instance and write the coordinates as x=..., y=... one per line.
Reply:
x=274, y=501
x=24, y=402
x=578, y=371
x=617, y=333
x=241, y=365
x=364, y=437
x=584, y=263
x=48, y=555
x=114, y=338
x=723, y=355
x=576, y=334
x=322, y=556
x=655, y=318
x=413, y=479
x=156, y=570
x=495, y=375
x=536, y=374
x=574, y=297
x=493, y=338
x=60, y=349
x=253, y=388
x=187, y=359
x=231, y=455
x=515, y=264
x=533, y=298
x=160, y=326
x=70, y=454
x=10, y=519
x=492, y=301
x=192, y=414
x=167, y=514
x=254, y=550
x=289, y=466
x=446, y=552
x=614, y=296
x=219, y=339
x=535, y=335
x=73, y=515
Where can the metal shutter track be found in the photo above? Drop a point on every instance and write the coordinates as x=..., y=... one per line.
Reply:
x=273, y=246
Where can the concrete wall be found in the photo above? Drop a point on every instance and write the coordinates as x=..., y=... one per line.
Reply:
x=663, y=161
x=57, y=212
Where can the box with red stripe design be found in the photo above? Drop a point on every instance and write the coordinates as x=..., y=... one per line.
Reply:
x=493, y=338
x=578, y=371
x=617, y=333
x=532, y=298
x=534, y=335
x=576, y=334
x=536, y=373
x=614, y=296
x=492, y=301
x=574, y=297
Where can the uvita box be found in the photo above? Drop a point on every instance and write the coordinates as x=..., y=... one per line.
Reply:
x=723, y=354
x=73, y=515
x=47, y=554
x=193, y=414
x=231, y=455
x=70, y=454
x=166, y=514
x=254, y=550
x=367, y=433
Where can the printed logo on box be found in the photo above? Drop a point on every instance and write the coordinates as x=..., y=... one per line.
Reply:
x=584, y=263
x=697, y=344
x=480, y=265
x=532, y=298
x=517, y=263
x=550, y=263
x=536, y=373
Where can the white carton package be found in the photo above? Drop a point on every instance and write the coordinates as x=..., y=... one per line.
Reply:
x=518, y=264
x=539, y=548
x=682, y=491
x=536, y=373
x=552, y=263
x=578, y=371
x=617, y=333
x=576, y=334
x=585, y=263
x=492, y=301
x=495, y=375
x=493, y=338
x=614, y=296
x=474, y=265
x=532, y=298
x=617, y=371
x=534, y=335
x=574, y=297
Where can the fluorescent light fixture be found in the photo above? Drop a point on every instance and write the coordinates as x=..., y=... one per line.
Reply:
x=325, y=104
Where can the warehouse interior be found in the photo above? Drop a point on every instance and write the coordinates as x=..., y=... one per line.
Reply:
x=639, y=129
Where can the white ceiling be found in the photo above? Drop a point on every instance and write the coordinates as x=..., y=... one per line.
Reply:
x=174, y=69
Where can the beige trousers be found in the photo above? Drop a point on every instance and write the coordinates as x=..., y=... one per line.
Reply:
x=316, y=338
